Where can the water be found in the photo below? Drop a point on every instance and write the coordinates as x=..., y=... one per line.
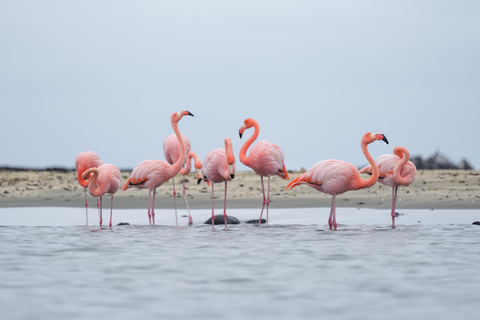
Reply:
x=52, y=267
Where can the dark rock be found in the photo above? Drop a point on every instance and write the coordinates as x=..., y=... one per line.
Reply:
x=219, y=219
x=123, y=224
x=439, y=161
x=477, y=223
x=256, y=221
x=397, y=214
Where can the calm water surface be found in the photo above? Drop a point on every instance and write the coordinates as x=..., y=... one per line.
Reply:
x=294, y=268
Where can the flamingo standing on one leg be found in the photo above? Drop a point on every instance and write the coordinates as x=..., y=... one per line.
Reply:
x=172, y=150
x=265, y=158
x=219, y=166
x=83, y=161
x=395, y=170
x=336, y=176
x=151, y=174
x=102, y=180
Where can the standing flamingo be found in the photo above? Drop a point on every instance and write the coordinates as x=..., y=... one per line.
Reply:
x=265, y=158
x=394, y=170
x=219, y=166
x=83, y=161
x=336, y=176
x=104, y=179
x=151, y=174
x=172, y=150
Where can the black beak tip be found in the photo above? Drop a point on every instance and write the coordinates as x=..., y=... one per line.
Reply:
x=385, y=139
x=240, y=134
x=232, y=176
x=199, y=180
x=189, y=113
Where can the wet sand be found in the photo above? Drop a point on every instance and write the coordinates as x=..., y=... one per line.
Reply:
x=432, y=189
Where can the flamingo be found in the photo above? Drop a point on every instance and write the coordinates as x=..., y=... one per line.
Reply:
x=219, y=166
x=336, y=176
x=172, y=150
x=86, y=160
x=265, y=158
x=395, y=170
x=102, y=180
x=150, y=174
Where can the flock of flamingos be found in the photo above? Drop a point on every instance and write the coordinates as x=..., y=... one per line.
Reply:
x=266, y=159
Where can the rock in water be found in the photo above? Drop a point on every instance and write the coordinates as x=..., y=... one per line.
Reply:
x=477, y=223
x=219, y=219
x=256, y=221
x=123, y=224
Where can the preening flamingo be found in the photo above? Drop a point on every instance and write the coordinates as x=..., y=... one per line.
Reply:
x=265, y=158
x=172, y=150
x=105, y=179
x=83, y=161
x=219, y=166
x=150, y=174
x=336, y=176
x=395, y=170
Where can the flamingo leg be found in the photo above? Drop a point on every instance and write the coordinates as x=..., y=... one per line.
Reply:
x=268, y=196
x=225, y=206
x=175, y=199
x=111, y=210
x=264, y=201
x=149, y=206
x=190, y=220
x=394, y=201
x=332, y=223
x=213, y=211
x=153, y=206
x=86, y=204
x=100, y=211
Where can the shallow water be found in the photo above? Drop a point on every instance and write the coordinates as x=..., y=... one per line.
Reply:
x=52, y=267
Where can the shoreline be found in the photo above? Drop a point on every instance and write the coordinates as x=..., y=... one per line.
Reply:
x=432, y=189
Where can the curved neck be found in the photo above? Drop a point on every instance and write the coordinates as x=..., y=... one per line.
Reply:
x=404, y=155
x=243, y=150
x=186, y=170
x=182, y=158
x=83, y=182
x=93, y=189
x=375, y=174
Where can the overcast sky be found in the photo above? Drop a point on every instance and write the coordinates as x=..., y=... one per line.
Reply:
x=316, y=75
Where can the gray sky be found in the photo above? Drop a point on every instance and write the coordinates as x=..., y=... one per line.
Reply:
x=316, y=75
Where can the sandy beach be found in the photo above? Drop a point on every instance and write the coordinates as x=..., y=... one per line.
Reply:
x=432, y=189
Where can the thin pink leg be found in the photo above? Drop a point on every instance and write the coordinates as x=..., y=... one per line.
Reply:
x=264, y=201
x=394, y=201
x=190, y=220
x=225, y=206
x=332, y=223
x=86, y=204
x=153, y=206
x=213, y=209
x=334, y=212
x=100, y=211
x=175, y=200
x=268, y=196
x=111, y=209
x=149, y=207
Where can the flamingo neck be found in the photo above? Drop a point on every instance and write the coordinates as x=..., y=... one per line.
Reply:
x=186, y=170
x=243, y=150
x=81, y=181
x=93, y=189
x=375, y=174
x=404, y=154
x=182, y=158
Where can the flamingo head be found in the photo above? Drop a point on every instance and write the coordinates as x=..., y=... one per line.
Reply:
x=372, y=137
x=248, y=123
x=178, y=115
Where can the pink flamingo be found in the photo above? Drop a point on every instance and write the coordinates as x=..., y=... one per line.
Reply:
x=83, y=161
x=150, y=174
x=265, y=158
x=104, y=179
x=395, y=170
x=336, y=176
x=172, y=150
x=219, y=166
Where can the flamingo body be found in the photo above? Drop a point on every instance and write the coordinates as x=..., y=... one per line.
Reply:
x=84, y=161
x=336, y=176
x=172, y=148
x=106, y=179
x=395, y=170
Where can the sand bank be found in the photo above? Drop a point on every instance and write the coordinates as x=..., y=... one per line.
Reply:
x=432, y=189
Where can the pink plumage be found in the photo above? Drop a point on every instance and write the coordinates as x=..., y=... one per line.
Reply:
x=395, y=170
x=106, y=179
x=84, y=161
x=336, y=176
x=265, y=158
x=219, y=166
x=151, y=174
